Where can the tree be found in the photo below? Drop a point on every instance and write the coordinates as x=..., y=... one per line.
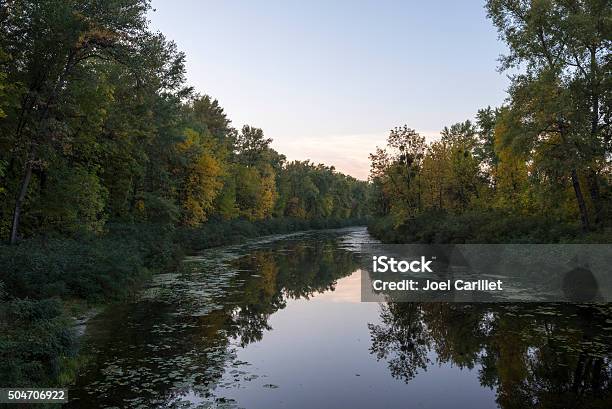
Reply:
x=486, y=119
x=51, y=43
x=208, y=114
x=252, y=148
x=200, y=177
x=397, y=169
x=564, y=48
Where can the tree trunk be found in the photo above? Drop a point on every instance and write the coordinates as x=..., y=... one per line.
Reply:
x=42, y=118
x=584, y=216
x=595, y=196
x=22, y=194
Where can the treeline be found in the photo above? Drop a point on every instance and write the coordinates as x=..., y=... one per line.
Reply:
x=536, y=169
x=99, y=125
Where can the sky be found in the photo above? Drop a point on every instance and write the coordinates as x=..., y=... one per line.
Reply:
x=327, y=80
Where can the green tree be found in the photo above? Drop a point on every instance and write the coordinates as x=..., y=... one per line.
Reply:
x=558, y=104
x=51, y=44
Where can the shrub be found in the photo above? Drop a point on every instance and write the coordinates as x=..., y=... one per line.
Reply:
x=36, y=339
x=477, y=226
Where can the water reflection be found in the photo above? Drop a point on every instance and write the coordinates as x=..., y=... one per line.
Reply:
x=276, y=324
x=547, y=356
x=401, y=339
x=171, y=347
x=296, y=270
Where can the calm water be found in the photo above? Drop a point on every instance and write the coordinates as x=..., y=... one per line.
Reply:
x=278, y=323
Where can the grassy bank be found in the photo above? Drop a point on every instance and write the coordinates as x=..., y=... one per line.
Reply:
x=46, y=281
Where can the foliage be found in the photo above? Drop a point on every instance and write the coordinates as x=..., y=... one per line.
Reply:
x=536, y=169
x=36, y=339
x=309, y=191
x=201, y=175
x=98, y=125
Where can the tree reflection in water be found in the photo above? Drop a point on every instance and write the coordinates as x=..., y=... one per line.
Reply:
x=179, y=348
x=156, y=353
x=302, y=272
x=546, y=356
x=401, y=339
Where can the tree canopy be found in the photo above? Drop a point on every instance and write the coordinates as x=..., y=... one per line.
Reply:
x=97, y=124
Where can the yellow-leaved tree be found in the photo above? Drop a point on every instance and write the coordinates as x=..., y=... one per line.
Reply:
x=201, y=174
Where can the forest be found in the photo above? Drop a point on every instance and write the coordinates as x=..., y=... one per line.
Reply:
x=98, y=125
x=112, y=167
x=538, y=168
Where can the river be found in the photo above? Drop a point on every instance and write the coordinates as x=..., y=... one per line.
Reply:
x=278, y=323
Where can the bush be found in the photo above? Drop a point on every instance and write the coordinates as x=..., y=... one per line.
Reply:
x=68, y=268
x=36, y=340
x=477, y=226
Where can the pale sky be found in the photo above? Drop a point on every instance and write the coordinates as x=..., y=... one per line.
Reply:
x=327, y=80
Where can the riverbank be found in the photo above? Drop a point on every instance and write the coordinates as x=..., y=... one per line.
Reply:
x=49, y=281
x=483, y=227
